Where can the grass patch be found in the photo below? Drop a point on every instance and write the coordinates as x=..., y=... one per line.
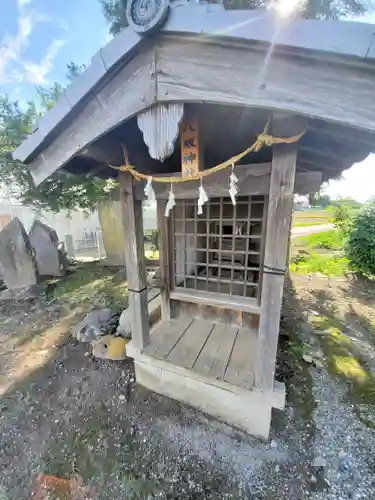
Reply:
x=311, y=218
x=90, y=283
x=328, y=240
x=330, y=265
x=325, y=324
x=346, y=364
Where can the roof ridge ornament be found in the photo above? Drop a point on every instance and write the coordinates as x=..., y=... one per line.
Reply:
x=146, y=17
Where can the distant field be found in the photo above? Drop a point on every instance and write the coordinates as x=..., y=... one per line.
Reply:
x=311, y=218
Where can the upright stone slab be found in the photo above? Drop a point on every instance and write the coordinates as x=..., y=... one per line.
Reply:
x=45, y=241
x=69, y=246
x=17, y=262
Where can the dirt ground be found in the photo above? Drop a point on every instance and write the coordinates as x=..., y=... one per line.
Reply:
x=62, y=413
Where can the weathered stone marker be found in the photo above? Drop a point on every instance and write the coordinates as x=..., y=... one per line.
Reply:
x=17, y=263
x=69, y=246
x=45, y=241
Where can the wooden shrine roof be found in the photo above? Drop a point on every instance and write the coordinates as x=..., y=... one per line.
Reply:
x=324, y=70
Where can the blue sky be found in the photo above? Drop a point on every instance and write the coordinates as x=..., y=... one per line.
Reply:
x=38, y=38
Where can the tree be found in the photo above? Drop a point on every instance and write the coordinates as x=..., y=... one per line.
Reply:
x=61, y=190
x=319, y=200
x=74, y=70
x=115, y=13
x=341, y=215
x=115, y=10
x=309, y=9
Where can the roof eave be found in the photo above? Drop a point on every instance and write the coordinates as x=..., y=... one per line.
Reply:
x=347, y=39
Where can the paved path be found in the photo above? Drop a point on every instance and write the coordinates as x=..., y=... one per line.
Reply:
x=305, y=230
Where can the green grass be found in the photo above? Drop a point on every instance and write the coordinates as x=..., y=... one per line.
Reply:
x=330, y=265
x=90, y=283
x=346, y=363
x=328, y=240
x=311, y=218
x=311, y=223
x=320, y=253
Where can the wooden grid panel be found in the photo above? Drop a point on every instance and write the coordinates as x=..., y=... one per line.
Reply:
x=220, y=250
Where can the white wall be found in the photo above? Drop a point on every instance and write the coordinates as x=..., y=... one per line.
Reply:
x=78, y=223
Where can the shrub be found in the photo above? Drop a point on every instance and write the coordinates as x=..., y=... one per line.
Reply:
x=360, y=247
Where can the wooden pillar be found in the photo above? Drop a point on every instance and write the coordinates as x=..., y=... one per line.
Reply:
x=280, y=207
x=135, y=261
x=164, y=260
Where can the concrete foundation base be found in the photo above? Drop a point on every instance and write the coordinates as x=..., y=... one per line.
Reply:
x=249, y=410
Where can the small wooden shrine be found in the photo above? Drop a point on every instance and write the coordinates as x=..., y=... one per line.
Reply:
x=221, y=116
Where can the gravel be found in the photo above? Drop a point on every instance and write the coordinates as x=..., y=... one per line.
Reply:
x=130, y=443
x=347, y=445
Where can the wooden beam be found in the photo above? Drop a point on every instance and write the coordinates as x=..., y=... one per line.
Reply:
x=341, y=93
x=333, y=93
x=307, y=182
x=134, y=259
x=276, y=248
x=138, y=304
x=129, y=91
x=201, y=297
x=163, y=227
x=341, y=134
x=105, y=150
x=218, y=184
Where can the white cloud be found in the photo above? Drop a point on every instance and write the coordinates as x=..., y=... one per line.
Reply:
x=37, y=72
x=23, y=3
x=11, y=48
x=358, y=182
x=13, y=67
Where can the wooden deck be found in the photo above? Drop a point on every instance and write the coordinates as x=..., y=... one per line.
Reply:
x=209, y=367
x=216, y=351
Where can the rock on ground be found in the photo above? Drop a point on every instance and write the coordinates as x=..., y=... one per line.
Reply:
x=95, y=324
x=45, y=242
x=124, y=328
x=17, y=262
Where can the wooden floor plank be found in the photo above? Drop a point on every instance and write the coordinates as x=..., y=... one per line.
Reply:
x=165, y=336
x=240, y=370
x=190, y=344
x=214, y=357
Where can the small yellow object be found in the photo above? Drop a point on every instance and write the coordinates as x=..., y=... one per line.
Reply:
x=110, y=347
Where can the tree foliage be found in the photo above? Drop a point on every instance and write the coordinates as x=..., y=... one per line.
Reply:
x=74, y=70
x=61, y=190
x=320, y=200
x=115, y=13
x=310, y=9
x=341, y=215
x=115, y=10
x=360, y=247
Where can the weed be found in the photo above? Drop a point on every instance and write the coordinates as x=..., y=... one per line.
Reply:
x=328, y=240
x=90, y=283
x=330, y=265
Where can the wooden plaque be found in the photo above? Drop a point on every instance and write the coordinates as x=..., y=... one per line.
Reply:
x=190, y=153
